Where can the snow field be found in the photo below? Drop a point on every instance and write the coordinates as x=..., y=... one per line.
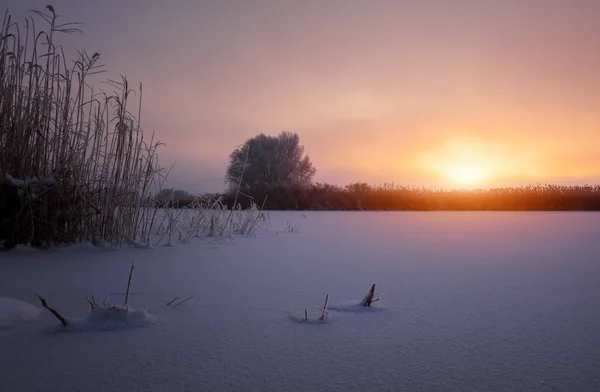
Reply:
x=470, y=302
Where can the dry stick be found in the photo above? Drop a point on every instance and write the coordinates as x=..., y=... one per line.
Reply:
x=129, y=285
x=369, y=299
x=90, y=302
x=324, y=314
x=185, y=300
x=173, y=300
x=53, y=311
x=305, y=315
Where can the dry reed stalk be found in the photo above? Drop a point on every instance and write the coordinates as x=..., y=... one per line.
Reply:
x=238, y=190
x=325, y=313
x=62, y=320
x=128, y=285
x=173, y=300
x=182, y=302
x=370, y=298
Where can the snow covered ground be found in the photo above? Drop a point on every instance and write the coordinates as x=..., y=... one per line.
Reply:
x=470, y=302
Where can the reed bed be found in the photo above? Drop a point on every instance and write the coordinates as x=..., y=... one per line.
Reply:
x=362, y=196
x=75, y=164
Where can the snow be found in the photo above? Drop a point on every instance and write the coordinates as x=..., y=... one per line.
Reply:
x=14, y=312
x=104, y=319
x=496, y=301
x=29, y=186
x=29, y=181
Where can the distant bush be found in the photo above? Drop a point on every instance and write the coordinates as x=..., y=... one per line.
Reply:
x=174, y=198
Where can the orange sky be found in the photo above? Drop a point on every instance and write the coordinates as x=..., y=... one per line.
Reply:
x=433, y=93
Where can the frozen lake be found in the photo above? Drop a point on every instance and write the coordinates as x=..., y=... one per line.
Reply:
x=486, y=301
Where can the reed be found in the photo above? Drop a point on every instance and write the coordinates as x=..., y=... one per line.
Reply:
x=75, y=164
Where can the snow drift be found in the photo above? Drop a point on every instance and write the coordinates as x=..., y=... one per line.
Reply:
x=14, y=312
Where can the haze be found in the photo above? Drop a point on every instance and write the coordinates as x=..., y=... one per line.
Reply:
x=426, y=93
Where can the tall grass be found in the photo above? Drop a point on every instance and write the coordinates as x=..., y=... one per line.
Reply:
x=207, y=218
x=75, y=164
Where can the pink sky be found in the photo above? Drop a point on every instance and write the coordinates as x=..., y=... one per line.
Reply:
x=433, y=93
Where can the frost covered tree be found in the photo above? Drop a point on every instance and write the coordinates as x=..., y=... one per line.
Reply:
x=267, y=163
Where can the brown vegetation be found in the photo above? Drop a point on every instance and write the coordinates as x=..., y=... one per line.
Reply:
x=361, y=196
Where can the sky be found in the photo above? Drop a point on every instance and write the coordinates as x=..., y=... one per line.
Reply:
x=434, y=93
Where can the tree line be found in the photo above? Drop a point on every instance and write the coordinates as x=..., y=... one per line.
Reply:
x=274, y=173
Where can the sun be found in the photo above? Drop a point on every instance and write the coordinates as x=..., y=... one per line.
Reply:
x=466, y=174
x=462, y=164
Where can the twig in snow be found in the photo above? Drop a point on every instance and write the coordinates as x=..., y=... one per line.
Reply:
x=53, y=311
x=370, y=298
x=182, y=302
x=128, y=285
x=325, y=313
x=92, y=304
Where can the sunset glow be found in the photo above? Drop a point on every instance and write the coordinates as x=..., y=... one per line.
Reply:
x=433, y=93
x=462, y=164
x=466, y=175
